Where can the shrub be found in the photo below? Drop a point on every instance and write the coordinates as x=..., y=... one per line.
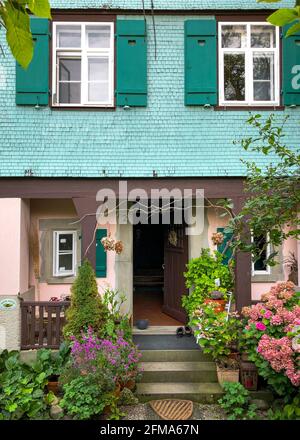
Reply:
x=271, y=335
x=216, y=333
x=115, y=321
x=236, y=402
x=21, y=389
x=87, y=309
x=89, y=353
x=50, y=362
x=86, y=396
x=200, y=277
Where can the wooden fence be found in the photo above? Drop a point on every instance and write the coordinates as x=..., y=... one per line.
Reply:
x=42, y=323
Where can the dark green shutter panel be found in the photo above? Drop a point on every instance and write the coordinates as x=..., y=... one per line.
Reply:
x=32, y=84
x=227, y=237
x=200, y=62
x=291, y=68
x=131, y=63
x=100, y=254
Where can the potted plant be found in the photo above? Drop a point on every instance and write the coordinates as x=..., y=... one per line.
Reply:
x=217, y=298
x=52, y=365
x=217, y=334
x=201, y=279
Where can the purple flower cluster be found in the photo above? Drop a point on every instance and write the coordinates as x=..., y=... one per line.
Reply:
x=120, y=357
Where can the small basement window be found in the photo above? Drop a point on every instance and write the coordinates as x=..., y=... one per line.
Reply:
x=83, y=64
x=64, y=253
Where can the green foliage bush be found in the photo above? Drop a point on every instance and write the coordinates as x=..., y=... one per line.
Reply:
x=236, y=402
x=21, y=389
x=86, y=396
x=87, y=309
x=115, y=321
x=200, y=277
x=216, y=333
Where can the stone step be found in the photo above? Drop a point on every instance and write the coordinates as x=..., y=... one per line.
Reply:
x=174, y=356
x=197, y=392
x=192, y=372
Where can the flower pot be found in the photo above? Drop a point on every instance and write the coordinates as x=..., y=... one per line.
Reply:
x=130, y=384
x=53, y=386
x=227, y=375
x=219, y=304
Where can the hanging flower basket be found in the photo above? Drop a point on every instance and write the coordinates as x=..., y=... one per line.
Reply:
x=217, y=238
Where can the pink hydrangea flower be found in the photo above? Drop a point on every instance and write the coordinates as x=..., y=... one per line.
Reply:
x=260, y=326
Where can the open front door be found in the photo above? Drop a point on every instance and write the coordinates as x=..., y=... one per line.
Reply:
x=175, y=260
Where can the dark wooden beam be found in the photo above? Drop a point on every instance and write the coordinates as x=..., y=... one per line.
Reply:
x=64, y=188
x=242, y=268
x=85, y=207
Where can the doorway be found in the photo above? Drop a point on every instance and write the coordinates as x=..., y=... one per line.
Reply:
x=158, y=281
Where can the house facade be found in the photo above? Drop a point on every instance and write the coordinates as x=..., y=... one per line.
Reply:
x=134, y=101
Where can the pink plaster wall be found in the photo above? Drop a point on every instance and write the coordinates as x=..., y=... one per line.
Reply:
x=214, y=222
x=51, y=209
x=14, y=249
x=24, y=246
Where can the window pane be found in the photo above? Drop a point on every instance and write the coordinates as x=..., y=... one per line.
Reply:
x=234, y=77
x=69, y=93
x=65, y=262
x=98, y=36
x=69, y=69
x=98, y=69
x=234, y=36
x=68, y=36
x=98, y=92
x=263, y=75
x=65, y=242
x=263, y=36
x=260, y=263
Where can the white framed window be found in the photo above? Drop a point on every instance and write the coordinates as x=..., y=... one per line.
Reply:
x=83, y=64
x=259, y=267
x=64, y=253
x=248, y=64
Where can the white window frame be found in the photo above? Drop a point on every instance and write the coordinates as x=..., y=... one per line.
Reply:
x=56, y=271
x=267, y=271
x=248, y=51
x=83, y=53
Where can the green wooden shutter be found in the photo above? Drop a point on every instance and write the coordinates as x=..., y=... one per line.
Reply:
x=32, y=84
x=200, y=62
x=131, y=63
x=222, y=246
x=291, y=68
x=100, y=254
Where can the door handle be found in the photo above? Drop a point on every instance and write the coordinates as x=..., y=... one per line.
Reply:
x=163, y=266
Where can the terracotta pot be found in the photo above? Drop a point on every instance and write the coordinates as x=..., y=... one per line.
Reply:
x=53, y=386
x=220, y=304
x=227, y=375
x=130, y=384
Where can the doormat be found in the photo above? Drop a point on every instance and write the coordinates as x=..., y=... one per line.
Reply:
x=173, y=409
x=165, y=342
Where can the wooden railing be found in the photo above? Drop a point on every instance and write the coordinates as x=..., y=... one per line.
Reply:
x=42, y=323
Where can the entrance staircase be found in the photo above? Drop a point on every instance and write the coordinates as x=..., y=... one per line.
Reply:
x=178, y=374
x=182, y=374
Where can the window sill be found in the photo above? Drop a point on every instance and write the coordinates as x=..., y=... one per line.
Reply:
x=249, y=107
x=61, y=280
x=83, y=108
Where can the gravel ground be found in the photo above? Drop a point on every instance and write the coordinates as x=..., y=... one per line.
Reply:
x=201, y=412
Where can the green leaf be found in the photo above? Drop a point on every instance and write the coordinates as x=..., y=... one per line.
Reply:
x=282, y=17
x=18, y=33
x=41, y=8
x=293, y=29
